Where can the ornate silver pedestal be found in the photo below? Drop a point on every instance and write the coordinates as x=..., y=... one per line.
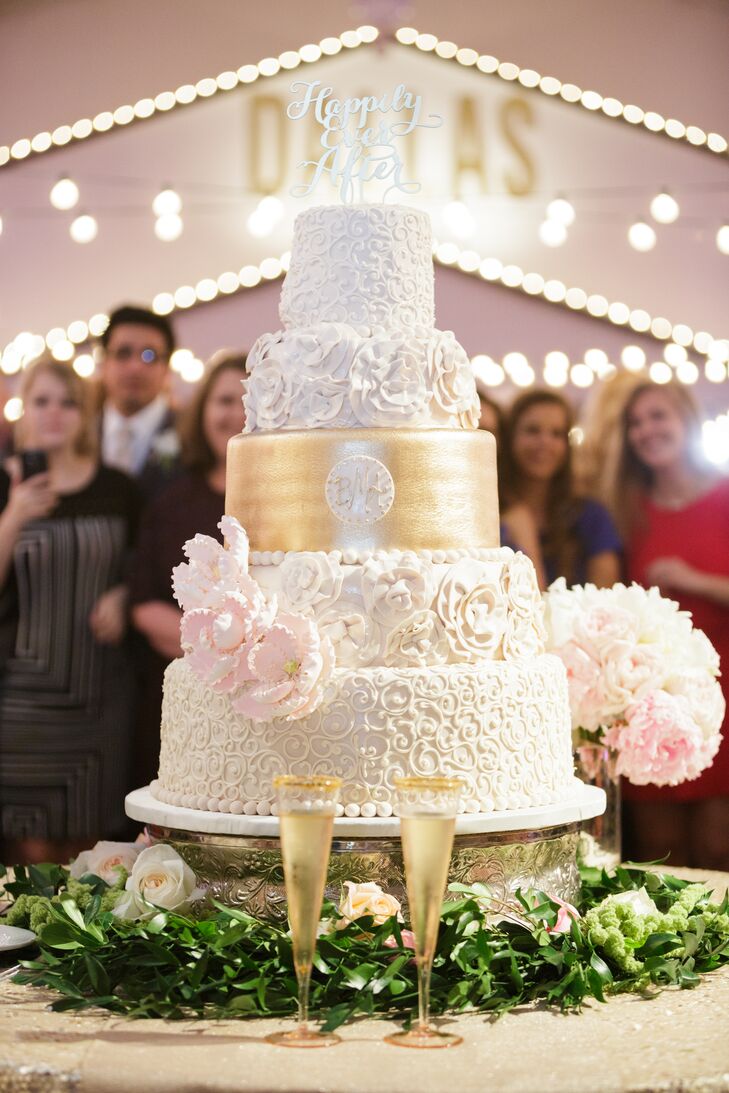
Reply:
x=239, y=859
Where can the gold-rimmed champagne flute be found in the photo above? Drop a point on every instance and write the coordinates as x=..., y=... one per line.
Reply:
x=427, y=807
x=306, y=808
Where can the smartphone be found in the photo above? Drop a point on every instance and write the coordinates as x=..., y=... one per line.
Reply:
x=33, y=461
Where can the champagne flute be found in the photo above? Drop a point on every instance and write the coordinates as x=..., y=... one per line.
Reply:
x=306, y=817
x=427, y=808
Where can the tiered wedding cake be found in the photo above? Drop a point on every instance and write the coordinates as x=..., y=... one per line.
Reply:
x=369, y=497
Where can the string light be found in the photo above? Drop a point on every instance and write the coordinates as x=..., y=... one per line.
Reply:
x=266, y=215
x=64, y=194
x=84, y=365
x=641, y=236
x=13, y=409
x=168, y=227
x=487, y=370
x=722, y=239
x=715, y=439
x=552, y=233
x=167, y=202
x=660, y=372
x=664, y=208
x=562, y=211
x=589, y=100
x=189, y=93
x=633, y=358
x=84, y=228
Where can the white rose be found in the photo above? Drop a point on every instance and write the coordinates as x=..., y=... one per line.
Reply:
x=105, y=859
x=310, y=579
x=366, y=899
x=419, y=640
x=638, y=900
x=159, y=878
x=355, y=637
x=395, y=586
x=388, y=383
x=451, y=376
x=473, y=609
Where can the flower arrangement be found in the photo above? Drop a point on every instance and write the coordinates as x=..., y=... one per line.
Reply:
x=271, y=663
x=642, y=680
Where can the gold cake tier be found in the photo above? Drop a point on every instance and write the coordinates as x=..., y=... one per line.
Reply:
x=378, y=489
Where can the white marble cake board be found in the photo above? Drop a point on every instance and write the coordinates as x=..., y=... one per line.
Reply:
x=585, y=803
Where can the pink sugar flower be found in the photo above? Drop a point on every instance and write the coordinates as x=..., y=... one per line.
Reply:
x=659, y=742
x=218, y=639
x=282, y=674
x=212, y=569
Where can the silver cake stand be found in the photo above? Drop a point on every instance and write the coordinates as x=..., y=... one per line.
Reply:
x=238, y=858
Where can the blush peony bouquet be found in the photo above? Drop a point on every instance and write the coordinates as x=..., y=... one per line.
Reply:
x=642, y=680
x=271, y=663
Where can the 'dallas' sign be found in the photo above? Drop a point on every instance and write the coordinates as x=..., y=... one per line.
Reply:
x=391, y=121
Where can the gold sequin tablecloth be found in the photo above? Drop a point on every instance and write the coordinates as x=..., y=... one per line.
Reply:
x=677, y=1041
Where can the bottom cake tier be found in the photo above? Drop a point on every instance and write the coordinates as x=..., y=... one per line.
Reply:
x=501, y=726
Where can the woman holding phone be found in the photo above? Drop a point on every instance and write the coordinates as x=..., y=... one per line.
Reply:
x=66, y=526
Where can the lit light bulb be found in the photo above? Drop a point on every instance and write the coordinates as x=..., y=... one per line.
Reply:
x=84, y=365
x=64, y=194
x=581, y=375
x=557, y=360
x=715, y=371
x=660, y=372
x=552, y=233
x=561, y=210
x=641, y=236
x=266, y=215
x=84, y=229
x=192, y=370
x=515, y=362
x=487, y=370
x=722, y=239
x=167, y=202
x=13, y=410
x=715, y=439
x=168, y=227
x=687, y=372
x=675, y=354
x=1, y=225
x=664, y=208
x=596, y=359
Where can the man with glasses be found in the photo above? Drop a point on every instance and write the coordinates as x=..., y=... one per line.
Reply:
x=138, y=433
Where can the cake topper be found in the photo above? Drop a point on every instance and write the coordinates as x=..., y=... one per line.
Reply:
x=357, y=139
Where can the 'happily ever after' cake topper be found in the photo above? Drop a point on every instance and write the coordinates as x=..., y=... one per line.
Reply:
x=358, y=141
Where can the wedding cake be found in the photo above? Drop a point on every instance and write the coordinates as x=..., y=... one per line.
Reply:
x=381, y=630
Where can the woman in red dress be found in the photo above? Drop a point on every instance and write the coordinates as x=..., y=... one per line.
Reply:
x=674, y=512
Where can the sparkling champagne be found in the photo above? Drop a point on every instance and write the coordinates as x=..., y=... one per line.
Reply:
x=305, y=842
x=427, y=840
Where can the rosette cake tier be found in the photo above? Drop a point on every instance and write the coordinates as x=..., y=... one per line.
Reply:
x=369, y=499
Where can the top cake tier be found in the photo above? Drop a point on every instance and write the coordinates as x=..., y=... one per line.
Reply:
x=365, y=265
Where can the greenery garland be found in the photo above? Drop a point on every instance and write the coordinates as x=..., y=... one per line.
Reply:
x=227, y=964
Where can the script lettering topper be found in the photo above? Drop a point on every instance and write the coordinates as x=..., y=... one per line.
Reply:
x=358, y=141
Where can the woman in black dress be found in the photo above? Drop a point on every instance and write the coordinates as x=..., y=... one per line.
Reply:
x=65, y=697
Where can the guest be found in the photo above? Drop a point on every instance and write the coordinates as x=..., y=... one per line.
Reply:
x=596, y=459
x=521, y=531
x=65, y=723
x=138, y=433
x=193, y=503
x=577, y=536
x=674, y=513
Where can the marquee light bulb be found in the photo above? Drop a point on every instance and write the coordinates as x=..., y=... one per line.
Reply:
x=664, y=208
x=561, y=210
x=641, y=236
x=552, y=233
x=722, y=239
x=64, y=195
x=84, y=229
x=167, y=202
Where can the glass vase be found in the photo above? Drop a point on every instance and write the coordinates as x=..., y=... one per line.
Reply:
x=599, y=842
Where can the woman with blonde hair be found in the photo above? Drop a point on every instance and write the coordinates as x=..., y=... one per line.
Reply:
x=66, y=526
x=193, y=503
x=674, y=513
x=577, y=537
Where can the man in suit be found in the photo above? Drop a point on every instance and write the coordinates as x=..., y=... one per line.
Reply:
x=138, y=433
